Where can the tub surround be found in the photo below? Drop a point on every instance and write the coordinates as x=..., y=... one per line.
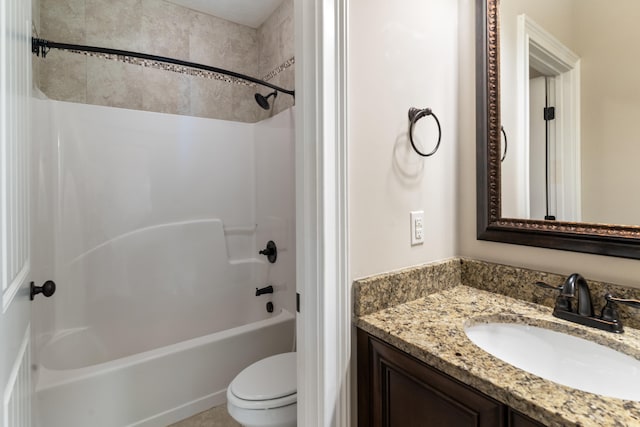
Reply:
x=136, y=208
x=427, y=321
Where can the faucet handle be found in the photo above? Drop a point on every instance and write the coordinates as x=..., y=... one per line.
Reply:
x=563, y=302
x=547, y=286
x=627, y=301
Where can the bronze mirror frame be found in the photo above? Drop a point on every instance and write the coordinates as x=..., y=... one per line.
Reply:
x=602, y=239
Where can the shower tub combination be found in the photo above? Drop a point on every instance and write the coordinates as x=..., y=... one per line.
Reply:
x=155, y=311
x=154, y=387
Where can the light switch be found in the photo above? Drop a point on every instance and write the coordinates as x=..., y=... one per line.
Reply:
x=417, y=227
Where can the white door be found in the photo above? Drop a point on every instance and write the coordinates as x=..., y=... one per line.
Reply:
x=15, y=268
x=537, y=149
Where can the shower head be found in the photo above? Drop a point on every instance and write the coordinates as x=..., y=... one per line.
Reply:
x=263, y=101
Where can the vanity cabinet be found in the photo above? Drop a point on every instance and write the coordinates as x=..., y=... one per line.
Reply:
x=397, y=390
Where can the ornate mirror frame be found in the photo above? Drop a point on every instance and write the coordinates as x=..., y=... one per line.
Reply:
x=602, y=239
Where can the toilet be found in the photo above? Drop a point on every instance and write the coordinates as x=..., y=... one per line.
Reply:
x=265, y=394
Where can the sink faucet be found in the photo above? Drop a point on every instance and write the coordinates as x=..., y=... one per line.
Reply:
x=576, y=287
x=584, y=306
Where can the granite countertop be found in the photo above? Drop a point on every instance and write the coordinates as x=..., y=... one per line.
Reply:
x=432, y=330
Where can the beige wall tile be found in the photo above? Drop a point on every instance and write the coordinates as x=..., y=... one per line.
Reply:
x=211, y=98
x=223, y=44
x=166, y=92
x=114, y=84
x=161, y=28
x=116, y=24
x=276, y=38
x=165, y=29
x=244, y=105
x=63, y=76
x=286, y=79
x=63, y=20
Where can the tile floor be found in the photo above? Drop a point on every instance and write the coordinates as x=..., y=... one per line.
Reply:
x=214, y=417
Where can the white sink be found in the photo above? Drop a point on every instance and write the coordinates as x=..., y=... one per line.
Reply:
x=561, y=358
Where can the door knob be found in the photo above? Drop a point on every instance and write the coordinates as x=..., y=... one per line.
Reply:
x=47, y=289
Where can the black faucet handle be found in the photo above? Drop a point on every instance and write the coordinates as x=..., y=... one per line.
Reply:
x=627, y=301
x=547, y=286
x=563, y=301
x=271, y=251
x=610, y=312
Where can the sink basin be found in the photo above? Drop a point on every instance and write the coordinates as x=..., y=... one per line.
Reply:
x=561, y=358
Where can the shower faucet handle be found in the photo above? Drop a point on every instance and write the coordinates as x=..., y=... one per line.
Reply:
x=271, y=251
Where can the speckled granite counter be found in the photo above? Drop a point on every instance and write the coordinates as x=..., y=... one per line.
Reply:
x=431, y=329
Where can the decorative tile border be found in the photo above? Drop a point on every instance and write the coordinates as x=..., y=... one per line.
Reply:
x=280, y=68
x=186, y=70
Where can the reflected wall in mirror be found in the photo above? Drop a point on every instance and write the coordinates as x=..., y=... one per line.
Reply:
x=577, y=162
x=575, y=165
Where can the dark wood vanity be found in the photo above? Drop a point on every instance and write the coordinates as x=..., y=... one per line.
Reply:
x=397, y=390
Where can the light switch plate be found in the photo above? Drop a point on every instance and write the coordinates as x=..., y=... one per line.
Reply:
x=417, y=227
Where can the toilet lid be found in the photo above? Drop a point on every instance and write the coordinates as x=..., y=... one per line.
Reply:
x=267, y=379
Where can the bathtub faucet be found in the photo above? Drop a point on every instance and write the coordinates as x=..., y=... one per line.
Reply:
x=265, y=290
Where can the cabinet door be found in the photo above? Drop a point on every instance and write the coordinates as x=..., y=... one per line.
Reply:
x=516, y=419
x=397, y=390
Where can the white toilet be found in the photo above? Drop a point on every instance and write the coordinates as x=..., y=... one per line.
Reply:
x=265, y=394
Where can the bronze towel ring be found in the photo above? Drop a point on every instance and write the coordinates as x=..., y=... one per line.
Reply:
x=416, y=114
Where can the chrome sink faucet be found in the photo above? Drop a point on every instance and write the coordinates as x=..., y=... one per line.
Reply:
x=575, y=286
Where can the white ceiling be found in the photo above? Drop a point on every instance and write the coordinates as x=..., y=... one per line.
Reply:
x=247, y=12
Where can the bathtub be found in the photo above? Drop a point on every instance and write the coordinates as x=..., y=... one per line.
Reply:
x=153, y=325
x=153, y=388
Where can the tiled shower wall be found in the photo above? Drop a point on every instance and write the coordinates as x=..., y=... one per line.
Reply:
x=161, y=28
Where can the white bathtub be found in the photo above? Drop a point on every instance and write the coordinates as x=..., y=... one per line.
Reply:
x=152, y=388
x=154, y=224
x=152, y=327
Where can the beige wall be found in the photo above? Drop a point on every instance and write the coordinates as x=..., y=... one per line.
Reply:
x=401, y=55
x=609, y=269
x=553, y=16
x=610, y=109
x=160, y=28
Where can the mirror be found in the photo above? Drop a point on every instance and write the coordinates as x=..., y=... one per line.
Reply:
x=579, y=163
x=566, y=96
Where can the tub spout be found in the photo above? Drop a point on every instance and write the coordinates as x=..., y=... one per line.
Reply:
x=265, y=290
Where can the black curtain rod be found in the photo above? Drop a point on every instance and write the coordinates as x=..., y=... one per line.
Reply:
x=41, y=46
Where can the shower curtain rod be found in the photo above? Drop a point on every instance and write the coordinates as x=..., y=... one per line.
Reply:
x=42, y=46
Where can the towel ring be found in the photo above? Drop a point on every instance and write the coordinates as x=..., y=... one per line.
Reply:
x=505, y=143
x=416, y=114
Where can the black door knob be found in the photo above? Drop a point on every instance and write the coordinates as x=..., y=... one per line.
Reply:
x=47, y=289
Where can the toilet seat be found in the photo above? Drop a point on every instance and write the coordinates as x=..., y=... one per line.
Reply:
x=267, y=384
x=261, y=404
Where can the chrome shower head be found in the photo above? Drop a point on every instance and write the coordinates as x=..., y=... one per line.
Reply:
x=263, y=101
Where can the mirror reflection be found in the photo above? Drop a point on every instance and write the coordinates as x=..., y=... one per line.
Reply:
x=570, y=106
